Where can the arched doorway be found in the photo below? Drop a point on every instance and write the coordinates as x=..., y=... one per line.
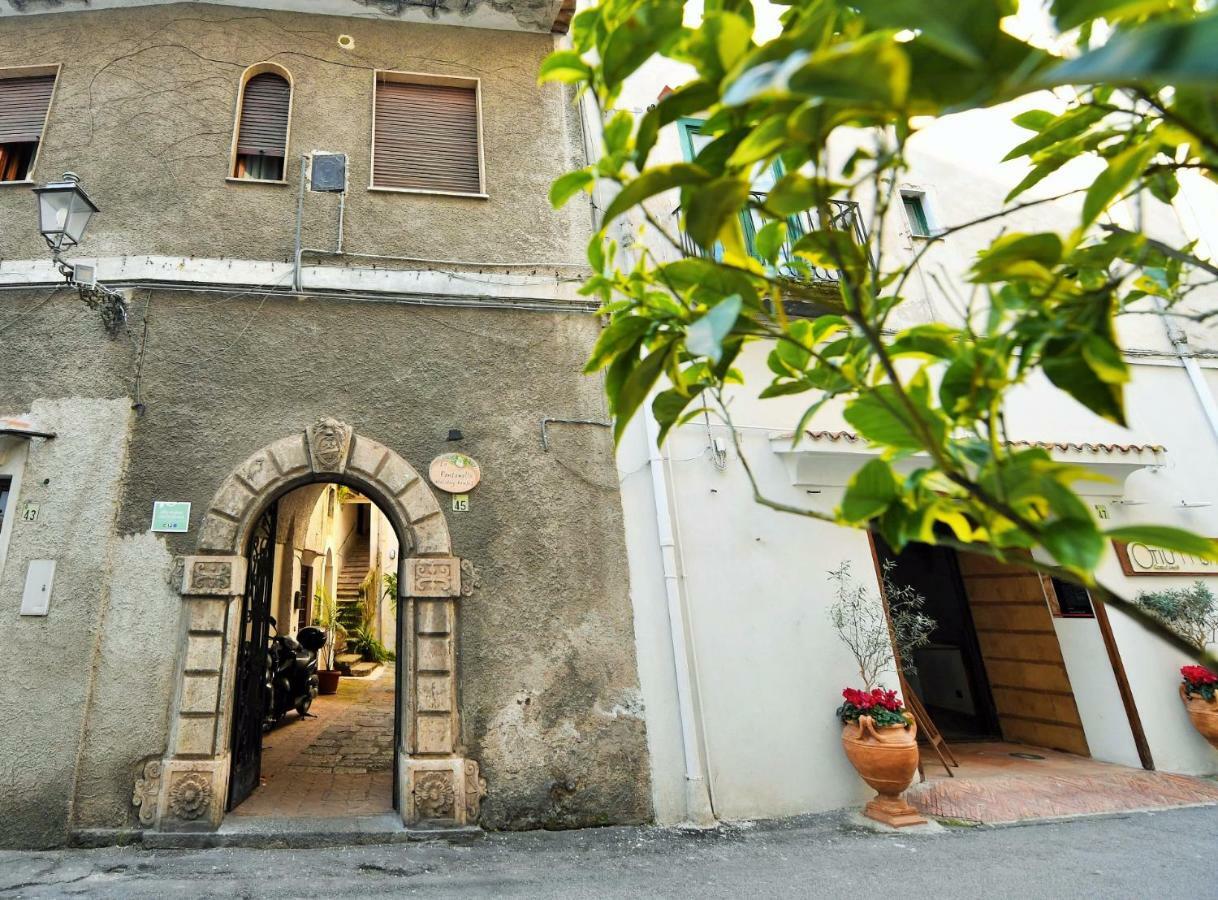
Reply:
x=186, y=789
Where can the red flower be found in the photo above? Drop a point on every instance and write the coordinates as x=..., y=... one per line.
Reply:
x=877, y=697
x=1198, y=675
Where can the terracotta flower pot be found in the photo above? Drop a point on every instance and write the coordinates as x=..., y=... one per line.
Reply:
x=886, y=757
x=1204, y=714
x=327, y=681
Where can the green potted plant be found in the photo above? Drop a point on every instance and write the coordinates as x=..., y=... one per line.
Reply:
x=879, y=735
x=1192, y=613
x=325, y=617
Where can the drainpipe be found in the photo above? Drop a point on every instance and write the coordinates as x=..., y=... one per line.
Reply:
x=1191, y=224
x=699, y=807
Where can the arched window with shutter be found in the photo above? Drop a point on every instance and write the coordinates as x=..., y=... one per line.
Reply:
x=260, y=135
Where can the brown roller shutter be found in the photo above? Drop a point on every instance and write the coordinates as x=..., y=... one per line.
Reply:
x=23, y=108
x=426, y=137
x=264, y=116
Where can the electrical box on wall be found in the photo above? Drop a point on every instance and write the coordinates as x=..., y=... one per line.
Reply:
x=328, y=173
x=39, y=577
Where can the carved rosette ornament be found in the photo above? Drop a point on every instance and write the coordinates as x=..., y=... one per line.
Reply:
x=329, y=442
x=475, y=790
x=147, y=789
x=190, y=795
x=434, y=797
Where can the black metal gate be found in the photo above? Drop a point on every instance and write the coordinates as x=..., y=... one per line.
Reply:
x=249, y=698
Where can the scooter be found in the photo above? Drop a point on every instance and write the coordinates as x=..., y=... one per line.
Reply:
x=291, y=668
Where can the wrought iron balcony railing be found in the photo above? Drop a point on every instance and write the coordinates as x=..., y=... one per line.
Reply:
x=843, y=216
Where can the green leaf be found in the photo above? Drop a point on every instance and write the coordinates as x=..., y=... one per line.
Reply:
x=1034, y=119
x=636, y=385
x=1010, y=255
x=653, y=26
x=1069, y=124
x=621, y=334
x=1166, y=538
x=565, y=66
x=712, y=206
x=832, y=250
x=880, y=418
x=668, y=406
x=1072, y=13
x=1177, y=53
x=1075, y=543
x=1104, y=358
x=1123, y=169
x=705, y=336
x=654, y=181
x=770, y=240
x=1065, y=366
x=763, y=142
x=567, y=186
x=684, y=101
x=1039, y=173
x=871, y=70
x=870, y=491
x=617, y=131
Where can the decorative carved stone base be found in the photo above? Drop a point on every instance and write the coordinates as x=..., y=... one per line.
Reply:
x=441, y=790
x=893, y=811
x=193, y=794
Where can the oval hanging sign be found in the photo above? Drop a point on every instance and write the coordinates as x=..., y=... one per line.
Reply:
x=454, y=472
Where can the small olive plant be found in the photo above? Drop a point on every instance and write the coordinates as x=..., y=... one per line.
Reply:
x=1190, y=612
x=857, y=614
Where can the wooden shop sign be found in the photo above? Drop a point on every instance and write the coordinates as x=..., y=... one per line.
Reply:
x=1144, y=559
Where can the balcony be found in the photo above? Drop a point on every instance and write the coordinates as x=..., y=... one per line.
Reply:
x=844, y=216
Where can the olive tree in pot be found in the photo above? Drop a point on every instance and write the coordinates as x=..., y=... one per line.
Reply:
x=325, y=617
x=1192, y=613
x=878, y=733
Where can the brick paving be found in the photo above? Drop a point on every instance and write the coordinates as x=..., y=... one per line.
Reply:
x=994, y=787
x=339, y=763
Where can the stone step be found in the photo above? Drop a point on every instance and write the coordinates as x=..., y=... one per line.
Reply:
x=345, y=661
x=363, y=669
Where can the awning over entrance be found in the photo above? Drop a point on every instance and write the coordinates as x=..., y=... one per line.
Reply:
x=830, y=458
x=12, y=427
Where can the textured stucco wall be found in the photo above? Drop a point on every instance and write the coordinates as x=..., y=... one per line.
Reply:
x=144, y=112
x=548, y=681
x=75, y=479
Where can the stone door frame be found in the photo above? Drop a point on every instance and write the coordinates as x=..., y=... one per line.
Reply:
x=187, y=788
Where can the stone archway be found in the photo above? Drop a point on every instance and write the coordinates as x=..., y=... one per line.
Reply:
x=186, y=789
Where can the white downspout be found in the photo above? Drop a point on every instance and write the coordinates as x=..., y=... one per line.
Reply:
x=1191, y=225
x=698, y=806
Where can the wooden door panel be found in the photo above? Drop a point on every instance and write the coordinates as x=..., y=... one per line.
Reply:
x=1022, y=655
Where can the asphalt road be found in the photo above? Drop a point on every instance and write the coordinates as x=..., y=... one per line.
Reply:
x=1152, y=855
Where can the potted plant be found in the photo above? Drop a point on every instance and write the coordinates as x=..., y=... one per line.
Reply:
x=325, y=616
x=878, y=734
x=1198, y=690
x=1192, y=613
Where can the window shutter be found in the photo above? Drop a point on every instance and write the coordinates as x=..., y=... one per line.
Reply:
x=23, y=108
x=264, y=116
x=426, y=137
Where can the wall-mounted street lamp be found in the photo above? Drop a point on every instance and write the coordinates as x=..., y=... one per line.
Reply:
x=64, y=211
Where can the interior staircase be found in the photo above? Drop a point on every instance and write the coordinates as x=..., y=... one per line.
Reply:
x=354, y=571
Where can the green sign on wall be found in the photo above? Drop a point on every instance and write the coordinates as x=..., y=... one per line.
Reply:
x=170, y=515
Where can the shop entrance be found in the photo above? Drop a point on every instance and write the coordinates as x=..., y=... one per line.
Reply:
x=314, y=705
x=994, y=668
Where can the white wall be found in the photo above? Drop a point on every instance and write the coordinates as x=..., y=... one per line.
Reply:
x=767, y=667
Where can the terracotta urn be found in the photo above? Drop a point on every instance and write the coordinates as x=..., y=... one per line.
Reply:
x=886, y=757
x=1204, y=714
